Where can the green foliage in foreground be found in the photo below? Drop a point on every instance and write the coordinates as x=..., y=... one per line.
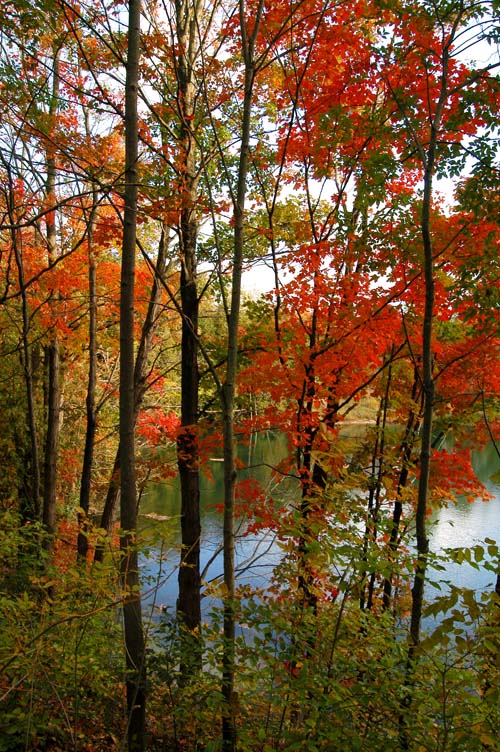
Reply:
x=337, y=679
x=331, y=681
x=60, y=648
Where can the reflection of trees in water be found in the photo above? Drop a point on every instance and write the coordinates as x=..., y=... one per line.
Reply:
x=460, y=524
x=486, y=463
x=260, y=456
x=464, y=524
x=256, y=554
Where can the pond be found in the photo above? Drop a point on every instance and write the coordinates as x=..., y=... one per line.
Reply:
x=467, y=524
x=463, y=524
x=256, y=555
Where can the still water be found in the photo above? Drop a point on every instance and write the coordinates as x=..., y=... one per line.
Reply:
x=463, y=524
x=256, y=556
x=466, y=524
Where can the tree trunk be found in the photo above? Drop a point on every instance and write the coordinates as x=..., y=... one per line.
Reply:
x=32, y=506
x=132, y=611
x=373, y=507
x=52, y=350
x=418, y=588
x=188, y=604
x=427, y=365
x=140, y=383
x=428, y=155
x=228, y=391
x=410, y=435
x=53, y=365
x=88, y=454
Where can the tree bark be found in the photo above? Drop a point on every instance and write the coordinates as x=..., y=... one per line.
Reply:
x=53, y=365
x=427, y=364
x=428, y=155
x=188, y=604
x=52, y=350
x=132, y=611
x=90, y=402
x=140, y=383
x=410, y=436
x=228, y=391
x=32, y=506
x=373, y=507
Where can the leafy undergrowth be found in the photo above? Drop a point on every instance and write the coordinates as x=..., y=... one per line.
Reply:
x=331, y=680
x=61, y=655
x=328, y=678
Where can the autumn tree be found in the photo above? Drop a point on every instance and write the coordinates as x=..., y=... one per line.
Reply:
x=47, y=228
x=326, y=358
x=132, y=613
x=179, y=70
x=442, y=88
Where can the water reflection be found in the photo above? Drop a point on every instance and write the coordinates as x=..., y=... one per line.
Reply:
x=466, y=524
x=256, y=556
x=462, y=524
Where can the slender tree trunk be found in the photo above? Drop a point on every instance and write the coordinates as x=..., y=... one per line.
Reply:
x=132, y=611
x=110, y=503
x=229, y=389
x=52, y=350
x=313, y=480
x=140, y=383
x=429, y=162
x=53, y=365
x=426, y=446
x=410, y=435
x=188, y=604
x=377, y=470
x=417, y=592
x=34, y=513
x=427, y=364
x=32, y=507
x=313, y=475
x=88, y=454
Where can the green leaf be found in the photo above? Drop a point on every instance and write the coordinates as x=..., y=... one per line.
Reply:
x=478, y=553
